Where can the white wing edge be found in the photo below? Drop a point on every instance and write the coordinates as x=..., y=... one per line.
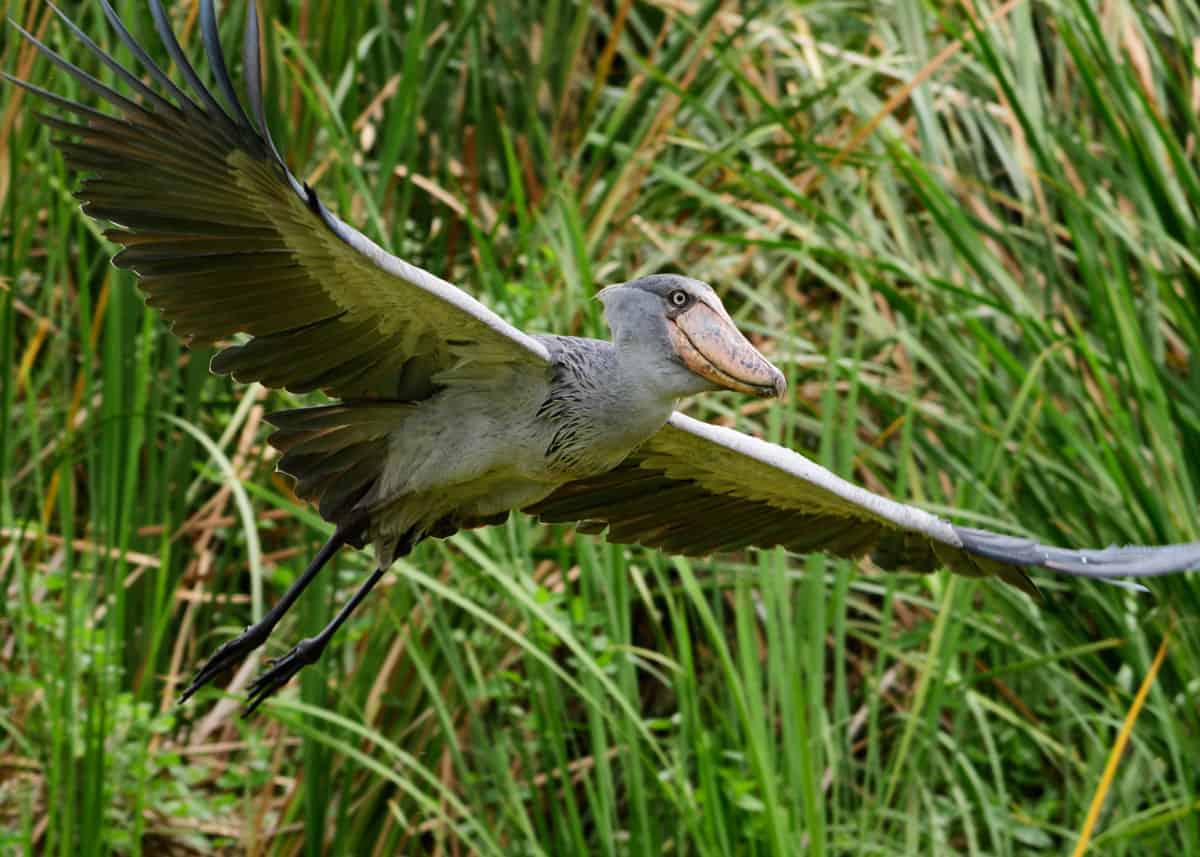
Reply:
x=1097, y=564
x=431, y=283
x=796, y=465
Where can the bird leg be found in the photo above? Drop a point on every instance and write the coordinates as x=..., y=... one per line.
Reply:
x=255, y=635
x=306, y=652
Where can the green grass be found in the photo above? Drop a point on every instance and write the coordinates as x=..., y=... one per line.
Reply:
x=985, y=294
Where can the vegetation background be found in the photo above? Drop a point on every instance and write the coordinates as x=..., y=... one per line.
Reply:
x=969, y=231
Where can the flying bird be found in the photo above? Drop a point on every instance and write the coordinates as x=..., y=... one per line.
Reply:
x=443, y=415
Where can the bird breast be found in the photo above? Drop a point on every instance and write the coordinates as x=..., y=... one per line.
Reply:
x=591, y=418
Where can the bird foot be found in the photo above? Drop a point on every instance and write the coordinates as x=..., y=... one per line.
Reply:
x=306, y=652
x=231, y=652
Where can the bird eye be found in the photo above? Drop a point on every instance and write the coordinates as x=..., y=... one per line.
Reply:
x=678, y=297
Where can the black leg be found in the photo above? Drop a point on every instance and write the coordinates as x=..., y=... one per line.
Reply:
x=306, y=652
x=255, y=635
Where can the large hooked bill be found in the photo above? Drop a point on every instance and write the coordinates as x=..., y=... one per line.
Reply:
x=710, y=344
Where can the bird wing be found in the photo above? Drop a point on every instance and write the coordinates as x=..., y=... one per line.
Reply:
x=695, y=489
x=225, y=240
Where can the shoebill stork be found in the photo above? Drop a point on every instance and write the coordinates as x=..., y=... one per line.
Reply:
x=444, y=416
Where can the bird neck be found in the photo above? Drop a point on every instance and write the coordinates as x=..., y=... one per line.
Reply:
x=649, y=371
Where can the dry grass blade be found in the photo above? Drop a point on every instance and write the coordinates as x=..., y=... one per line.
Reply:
x=1118, y=749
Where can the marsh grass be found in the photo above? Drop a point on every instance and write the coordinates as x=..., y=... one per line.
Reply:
x=969, y=233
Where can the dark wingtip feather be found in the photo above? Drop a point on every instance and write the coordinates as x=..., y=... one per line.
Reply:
x=152, y=68
x=119, y=70
x=252, y=69
x=216, y=59
x=89, y=82
x=163, y=25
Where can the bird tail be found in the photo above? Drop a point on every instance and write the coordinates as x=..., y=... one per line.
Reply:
x=336, y=453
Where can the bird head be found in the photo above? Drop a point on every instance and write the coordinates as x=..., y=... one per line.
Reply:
x=685, y=319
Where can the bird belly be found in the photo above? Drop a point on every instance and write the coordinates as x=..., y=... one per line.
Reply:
x=443, y=511
x=458, y=461
x=467, y=457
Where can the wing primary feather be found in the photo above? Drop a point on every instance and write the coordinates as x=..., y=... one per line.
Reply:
x=119, y=70
x=216, y=58
x=163, y=153
x=252, y=69
x=139, y=53
x=163, y=25
x=58, y=100
x=80, y=75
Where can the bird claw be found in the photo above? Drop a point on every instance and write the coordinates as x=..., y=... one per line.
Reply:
x=282, y=670
x=231, y=652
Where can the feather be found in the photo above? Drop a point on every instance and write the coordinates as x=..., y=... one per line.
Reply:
x=715, y=489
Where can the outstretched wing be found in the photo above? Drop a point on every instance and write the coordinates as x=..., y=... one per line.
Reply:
x=225, y=240
x=696, y=488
